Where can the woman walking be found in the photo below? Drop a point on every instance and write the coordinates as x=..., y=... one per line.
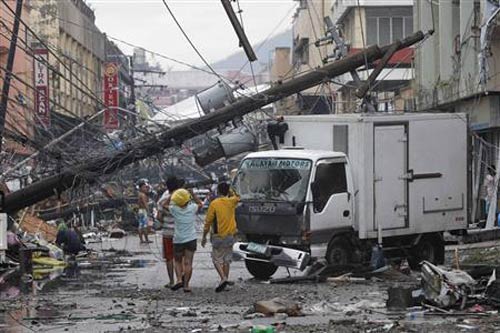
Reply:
x=184, y=206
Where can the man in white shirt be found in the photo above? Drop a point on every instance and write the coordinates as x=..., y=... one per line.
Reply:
x=167, y=221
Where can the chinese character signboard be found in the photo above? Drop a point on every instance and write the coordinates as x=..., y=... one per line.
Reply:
x=111, y=96
x=41, y=80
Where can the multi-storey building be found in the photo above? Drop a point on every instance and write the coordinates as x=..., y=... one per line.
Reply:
x=280, y=68
x=456, y=71
x=456, y=67
x=368, y=22
x=19, y=115
x=68, y=28
x=308, y=28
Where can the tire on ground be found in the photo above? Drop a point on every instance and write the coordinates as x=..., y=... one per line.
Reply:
x=339, y=251
x=260, y=270
x=429, y=248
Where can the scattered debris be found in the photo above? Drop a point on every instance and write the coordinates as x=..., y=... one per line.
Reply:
x=445, y=288
x=254, y=315
x=263, y=329
x=278, y=305
x=399, y=298
x=326, y=307
x=345, y=278
x=117, y=233
x=415, y=315
x=33, y=225
x=493, y=290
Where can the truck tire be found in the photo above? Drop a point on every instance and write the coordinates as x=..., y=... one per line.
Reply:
x=429, y=248
x=260, y=270
x=339, y=251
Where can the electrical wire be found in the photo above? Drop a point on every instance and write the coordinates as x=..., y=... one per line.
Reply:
x=30, y=51
x=31, y=87
x=268, y=37
x=189, y=40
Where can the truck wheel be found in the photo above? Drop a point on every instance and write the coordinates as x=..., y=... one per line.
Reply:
x=429, y=248
x=260, y=270
x=339, y=252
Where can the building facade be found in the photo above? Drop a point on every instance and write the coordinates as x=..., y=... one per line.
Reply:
x=456, y=71
x=308, y=28
x=456, y=67
x=367, y=22
x=68, y=28
x=280, y=68
x=448, y=66
x=19, y=115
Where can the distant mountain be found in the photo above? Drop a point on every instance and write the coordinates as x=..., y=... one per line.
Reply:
x=262, y=50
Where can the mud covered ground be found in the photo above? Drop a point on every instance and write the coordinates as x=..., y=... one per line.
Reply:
x=122, y=289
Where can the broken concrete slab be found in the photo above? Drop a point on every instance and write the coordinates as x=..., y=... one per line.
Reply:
x=277, y=305
x=400, y=298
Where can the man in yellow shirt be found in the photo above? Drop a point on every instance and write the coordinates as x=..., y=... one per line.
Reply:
x=221, y=219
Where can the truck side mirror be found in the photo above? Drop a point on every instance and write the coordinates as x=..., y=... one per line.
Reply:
x=2, y=201
x=315, y=190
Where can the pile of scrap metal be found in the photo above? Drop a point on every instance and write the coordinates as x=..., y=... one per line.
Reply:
x=446, y=288
x=457, y=289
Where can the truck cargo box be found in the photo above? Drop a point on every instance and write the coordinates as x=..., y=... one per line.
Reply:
x=410, y=171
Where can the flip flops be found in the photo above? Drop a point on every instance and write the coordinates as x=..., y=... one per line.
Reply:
x=221, y=286
x=177, y=286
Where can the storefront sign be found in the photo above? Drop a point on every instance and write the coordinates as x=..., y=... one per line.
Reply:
x=111, y=96
x=41, y=82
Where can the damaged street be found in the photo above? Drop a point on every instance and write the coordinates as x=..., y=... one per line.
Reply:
x=120, y=287
x=249, y=166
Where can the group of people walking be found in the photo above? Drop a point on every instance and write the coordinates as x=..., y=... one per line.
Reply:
x=177, y=213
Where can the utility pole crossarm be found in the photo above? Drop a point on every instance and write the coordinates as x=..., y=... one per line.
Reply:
x=146, y=147
x=365, y=86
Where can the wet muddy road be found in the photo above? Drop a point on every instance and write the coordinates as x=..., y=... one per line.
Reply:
x=122, y=289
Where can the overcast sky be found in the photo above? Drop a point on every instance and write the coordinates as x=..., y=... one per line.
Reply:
x=147, y=23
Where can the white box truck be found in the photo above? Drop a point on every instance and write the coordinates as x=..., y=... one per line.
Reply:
x=347, y=183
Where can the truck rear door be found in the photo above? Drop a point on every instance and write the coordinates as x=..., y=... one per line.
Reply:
x=390, y=181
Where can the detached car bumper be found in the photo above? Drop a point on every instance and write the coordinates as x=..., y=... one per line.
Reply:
x=278, y=255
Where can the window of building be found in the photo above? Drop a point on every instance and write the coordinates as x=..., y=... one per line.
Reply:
x=301, y=51
x=385, y=26
x=330, y=179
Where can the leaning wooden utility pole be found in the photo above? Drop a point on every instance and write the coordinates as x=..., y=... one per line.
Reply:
x=140, y=149
x=10, y=65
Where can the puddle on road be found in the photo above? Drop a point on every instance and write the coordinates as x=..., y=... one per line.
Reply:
x=13, y=283
x=16, y=290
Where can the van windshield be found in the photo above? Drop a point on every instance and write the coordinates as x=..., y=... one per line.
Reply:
x=273, y=179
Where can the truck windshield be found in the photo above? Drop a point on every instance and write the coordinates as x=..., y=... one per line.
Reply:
x=273, y=179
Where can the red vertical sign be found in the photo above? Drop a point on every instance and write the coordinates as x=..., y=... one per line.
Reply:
x=41, y=80
x=111, y=96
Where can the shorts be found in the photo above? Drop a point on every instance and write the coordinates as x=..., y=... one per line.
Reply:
x=142, y=220
x=179, y=248
x=222, y=249
x=168, y=248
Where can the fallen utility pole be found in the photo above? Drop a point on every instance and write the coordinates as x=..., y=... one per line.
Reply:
x=56, y=213
x=89, y=171
x=247, y=47
x=8, y=73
